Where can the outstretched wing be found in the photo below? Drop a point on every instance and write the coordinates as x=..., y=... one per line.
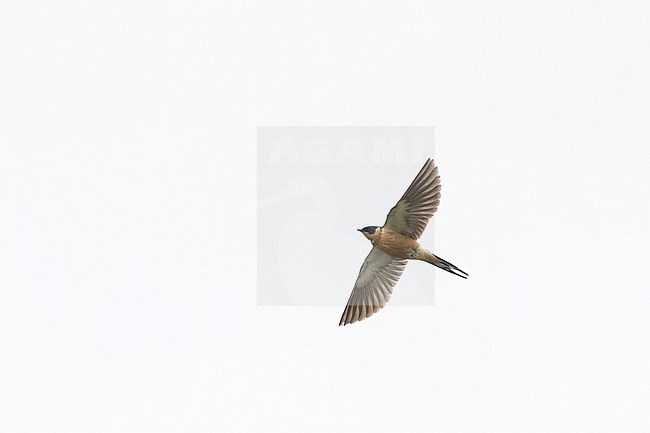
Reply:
x=418, y=204
x=377, y=277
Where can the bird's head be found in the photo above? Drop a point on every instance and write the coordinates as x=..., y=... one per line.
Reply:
x=369, y=232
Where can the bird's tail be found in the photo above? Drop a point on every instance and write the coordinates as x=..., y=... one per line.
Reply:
x=443, y=264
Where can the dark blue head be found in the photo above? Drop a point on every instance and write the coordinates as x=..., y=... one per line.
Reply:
x=370, y=230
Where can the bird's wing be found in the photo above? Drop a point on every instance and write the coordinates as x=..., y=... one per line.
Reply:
x=373, y=287
x=418, y=204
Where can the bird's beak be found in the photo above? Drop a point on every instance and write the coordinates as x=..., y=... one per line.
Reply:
x=358, y=230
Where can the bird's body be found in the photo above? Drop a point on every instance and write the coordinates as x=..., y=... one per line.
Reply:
x=394, y=244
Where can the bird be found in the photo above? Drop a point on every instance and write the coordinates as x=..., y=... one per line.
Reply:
x=394, y=244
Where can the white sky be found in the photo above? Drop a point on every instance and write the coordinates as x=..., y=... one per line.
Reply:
x=128, y=216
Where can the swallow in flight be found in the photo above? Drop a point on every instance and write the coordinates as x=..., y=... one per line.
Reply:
x=394, y=244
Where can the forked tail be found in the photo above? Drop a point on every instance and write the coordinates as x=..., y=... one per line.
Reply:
x=443, y=264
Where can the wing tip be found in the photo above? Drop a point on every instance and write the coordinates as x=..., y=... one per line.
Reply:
x=354, y=319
